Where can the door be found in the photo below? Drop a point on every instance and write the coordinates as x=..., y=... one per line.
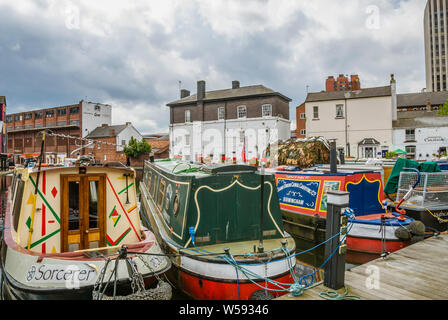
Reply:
x=83, y=212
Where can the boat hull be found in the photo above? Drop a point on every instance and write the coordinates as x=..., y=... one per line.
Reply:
x=363, y=242
x=201, y=288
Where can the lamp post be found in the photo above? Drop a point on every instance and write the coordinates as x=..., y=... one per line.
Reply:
x=347, y=144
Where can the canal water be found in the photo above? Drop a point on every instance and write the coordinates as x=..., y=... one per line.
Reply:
x=307, y=259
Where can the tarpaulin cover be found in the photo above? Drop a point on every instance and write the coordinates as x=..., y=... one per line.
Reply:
x=392, y=182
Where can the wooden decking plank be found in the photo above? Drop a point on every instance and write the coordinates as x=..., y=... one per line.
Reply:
x=413, y=284
x=412, y=278
x=388, y=289
x=424, y=266
x=425, y=261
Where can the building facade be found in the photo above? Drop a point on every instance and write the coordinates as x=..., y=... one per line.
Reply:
x=3, y=136
x=160, y=144
x=360, y=121
x=114, y=139
x=343, y=83
x=436, y=44
x=25, y=129
x=419, y=129
x=240, y=123
x=301, y=121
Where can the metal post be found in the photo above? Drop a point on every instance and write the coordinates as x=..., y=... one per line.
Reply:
x=260, y=245
x=333, y=158
x=336, y=221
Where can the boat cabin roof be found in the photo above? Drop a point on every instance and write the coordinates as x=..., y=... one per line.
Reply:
x=199, y=170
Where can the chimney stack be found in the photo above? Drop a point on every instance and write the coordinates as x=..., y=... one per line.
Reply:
x=184, y=93
x=393, y=88
x=104, y=125
x=201, y=90
x=235, y=84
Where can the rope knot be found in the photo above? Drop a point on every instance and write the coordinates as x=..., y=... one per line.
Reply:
x=296, y=290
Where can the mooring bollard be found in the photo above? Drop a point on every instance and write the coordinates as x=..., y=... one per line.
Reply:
x=337, y=201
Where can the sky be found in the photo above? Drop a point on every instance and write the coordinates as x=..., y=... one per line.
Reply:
x=135, y=55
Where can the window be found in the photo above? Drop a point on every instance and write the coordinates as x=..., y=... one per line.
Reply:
x=38, y=115
x=315, y=112
x=28, y=116
x=148, y=179
x=303, y=132
x=187, y=139
x=187, y=116
x=303, y=116
x=411, y=150
x=161, y=194
x=18, y=118
x=221, y=113
x=74, y=110
x=49, y=114
x=242, y=112
x=410, y=134
x=61, y=112
x=267, y=110
x=74, y=122
x=339, y=111
x=17, y=201
x=8, y=119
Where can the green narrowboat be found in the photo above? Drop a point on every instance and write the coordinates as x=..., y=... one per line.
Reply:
x=223, y=230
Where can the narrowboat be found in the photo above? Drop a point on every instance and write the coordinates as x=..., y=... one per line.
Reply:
x=63, y=224
x=375, y=231
x=222, y=226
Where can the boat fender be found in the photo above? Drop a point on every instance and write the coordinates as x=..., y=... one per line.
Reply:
x=417, y=228
x=191, y=230
x=261, y=295
x=403, y=233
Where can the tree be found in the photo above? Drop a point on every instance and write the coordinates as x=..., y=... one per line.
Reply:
x=443, y=111
x=136, y=148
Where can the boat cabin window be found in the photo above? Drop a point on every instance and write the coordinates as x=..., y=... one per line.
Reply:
x=161, y=194
x=153, y=187
x=93, y=204
x=73, y=206
x=18, y=195
x=148, y=180
x=176, y=206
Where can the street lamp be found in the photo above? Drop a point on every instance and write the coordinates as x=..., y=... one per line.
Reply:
x=347, y=144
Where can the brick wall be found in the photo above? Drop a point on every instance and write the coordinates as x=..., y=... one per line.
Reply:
x=301, y=123
x=208, y=111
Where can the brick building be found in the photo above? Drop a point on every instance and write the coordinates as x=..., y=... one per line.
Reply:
x=115, y=138
x=160, y=144
x=301, y=121
x=229, y=122
x=25, y=129
x=342, y=83
x=3, y=137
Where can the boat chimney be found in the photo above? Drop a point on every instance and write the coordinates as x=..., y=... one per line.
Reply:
x=333, y=158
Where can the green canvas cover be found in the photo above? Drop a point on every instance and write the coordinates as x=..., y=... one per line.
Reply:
x=392, y=183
